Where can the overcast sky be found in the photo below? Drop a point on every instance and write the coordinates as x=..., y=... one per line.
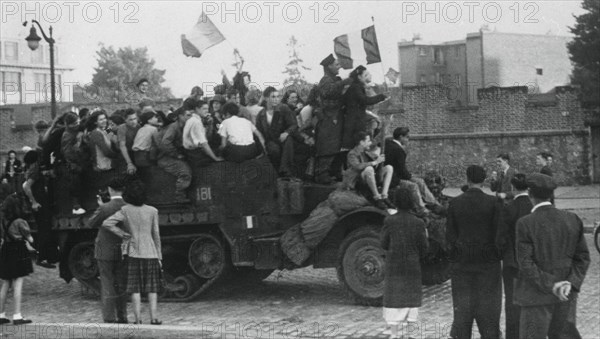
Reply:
x=260, y=30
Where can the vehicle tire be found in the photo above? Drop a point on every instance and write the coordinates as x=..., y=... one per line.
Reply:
x=361, y=266
x=208, y=257
x=82, y=263
x=597, y=237
x=188, y=283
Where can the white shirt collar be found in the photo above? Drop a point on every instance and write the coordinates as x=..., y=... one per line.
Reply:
x=398, y=142
x=545, y=203
x=116, y=197
x=521, y=195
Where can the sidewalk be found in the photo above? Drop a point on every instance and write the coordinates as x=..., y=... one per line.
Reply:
x=582, y=200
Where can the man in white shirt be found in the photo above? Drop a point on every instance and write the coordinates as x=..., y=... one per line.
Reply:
x=197, y=150
x=237, y=142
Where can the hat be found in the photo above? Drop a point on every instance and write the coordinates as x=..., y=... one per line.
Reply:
x=475, y=174
x=540, y=185
x=327, y=61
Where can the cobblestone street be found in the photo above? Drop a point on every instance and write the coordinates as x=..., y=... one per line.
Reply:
x=305, y=303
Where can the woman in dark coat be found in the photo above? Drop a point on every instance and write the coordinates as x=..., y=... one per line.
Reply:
x=356, y=101
x=404, y=238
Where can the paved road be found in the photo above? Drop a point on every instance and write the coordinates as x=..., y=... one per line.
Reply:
x=304, y=303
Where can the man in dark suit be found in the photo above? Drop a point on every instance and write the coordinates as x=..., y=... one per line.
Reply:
x=395, y=155
x=471, y=234
x=553, y=259
x=502, y=183
x=515, y=209
x=541, y=159
x=108, y=255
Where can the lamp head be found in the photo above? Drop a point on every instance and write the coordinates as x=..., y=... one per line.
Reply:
x=33, y=40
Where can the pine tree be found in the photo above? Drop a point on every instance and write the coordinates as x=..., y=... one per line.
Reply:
x=295, y=79
x=585, y=51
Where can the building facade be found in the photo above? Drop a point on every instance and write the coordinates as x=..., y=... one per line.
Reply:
x=25, y=74
x=487, y=59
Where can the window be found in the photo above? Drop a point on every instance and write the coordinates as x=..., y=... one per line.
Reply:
x=539, y=71
x=423, y=51
x=11, y=51
x=438, y=56
x=10, y=87
x=37, y=56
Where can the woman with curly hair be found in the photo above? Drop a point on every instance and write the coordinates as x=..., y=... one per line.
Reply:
x=137, y=224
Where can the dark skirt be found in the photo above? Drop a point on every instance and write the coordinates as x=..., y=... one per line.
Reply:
x=15, y=260
x=143, y=275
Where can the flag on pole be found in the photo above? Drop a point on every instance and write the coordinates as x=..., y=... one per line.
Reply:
x=361, y=46
x=392, y=75
x=203, y=36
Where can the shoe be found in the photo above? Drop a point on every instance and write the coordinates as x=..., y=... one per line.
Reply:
x=389, y=203
x=45, y=263
x=22, y=321
x=78, y=211
x=4, y=321
x=156, y=322
x=379, y=203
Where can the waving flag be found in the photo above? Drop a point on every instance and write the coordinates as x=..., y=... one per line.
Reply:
x=392, y=75
x=203, y=36
x=361, y=46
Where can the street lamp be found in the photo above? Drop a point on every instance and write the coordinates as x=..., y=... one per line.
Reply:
x=33, y=41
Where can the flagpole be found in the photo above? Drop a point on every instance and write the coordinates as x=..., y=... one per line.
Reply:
x=383, y=124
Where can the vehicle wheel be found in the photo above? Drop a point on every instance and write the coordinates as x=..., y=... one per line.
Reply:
x=82, y=263
x=361, y=266
x=597, y=237
x=250, y=275
x=208, y=257
x=187, y=285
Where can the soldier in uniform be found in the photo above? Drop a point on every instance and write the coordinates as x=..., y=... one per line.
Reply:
x=330, y=122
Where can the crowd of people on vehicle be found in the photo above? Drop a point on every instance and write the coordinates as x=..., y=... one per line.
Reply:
x=542, y=269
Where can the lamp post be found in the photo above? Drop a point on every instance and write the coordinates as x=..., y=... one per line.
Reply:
x=33, y=41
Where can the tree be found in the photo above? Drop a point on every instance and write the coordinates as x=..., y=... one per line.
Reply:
x=119, y=71
x=585, y=51
x=295, y=80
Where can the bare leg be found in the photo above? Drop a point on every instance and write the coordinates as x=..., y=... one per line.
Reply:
x=387, y=173
x=17, y=290
x=368, y=176
x=152, y=297
x=136, y=298
x=3, y=294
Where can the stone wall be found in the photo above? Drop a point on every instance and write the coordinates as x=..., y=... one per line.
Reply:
x=448, y=138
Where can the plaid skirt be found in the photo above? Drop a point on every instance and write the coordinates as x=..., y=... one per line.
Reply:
x=143, y=275
x=15, y=260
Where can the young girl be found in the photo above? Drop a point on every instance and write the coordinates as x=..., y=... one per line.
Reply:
x=404, y=238
x=15, y=260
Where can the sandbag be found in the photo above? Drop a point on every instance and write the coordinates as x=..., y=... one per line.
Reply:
x=292, y=244
x=345, y=201
x=318, y=224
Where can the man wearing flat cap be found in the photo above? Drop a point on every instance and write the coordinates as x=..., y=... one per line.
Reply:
x=553, y=259
x=472, y=238
x=330, y=123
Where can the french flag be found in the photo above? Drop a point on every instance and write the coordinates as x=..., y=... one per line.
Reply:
x=360, y=45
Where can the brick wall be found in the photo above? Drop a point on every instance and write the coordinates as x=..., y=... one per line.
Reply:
x=448, y=138
x=15, y=138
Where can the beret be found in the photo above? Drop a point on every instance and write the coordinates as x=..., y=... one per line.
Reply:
x=328, y=60
x=541, y=181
